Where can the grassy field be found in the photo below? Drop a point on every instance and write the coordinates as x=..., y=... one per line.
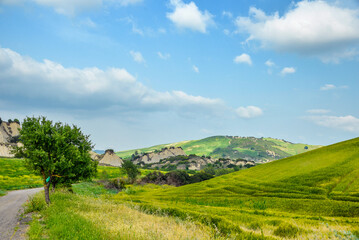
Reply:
x=314, y=195
x=230, y=147
x=14, y=175
x=91, y=214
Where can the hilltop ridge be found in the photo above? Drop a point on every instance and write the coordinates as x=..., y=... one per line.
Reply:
x=233, y=147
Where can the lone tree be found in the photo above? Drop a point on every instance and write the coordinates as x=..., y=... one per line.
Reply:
x=130, y=169
x=57, y=152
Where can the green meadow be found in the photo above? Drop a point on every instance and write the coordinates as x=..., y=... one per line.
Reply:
x=14, y=175
x=314, y=195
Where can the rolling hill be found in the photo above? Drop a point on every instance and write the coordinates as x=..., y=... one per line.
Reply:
x=313, y=195
x=248, y=148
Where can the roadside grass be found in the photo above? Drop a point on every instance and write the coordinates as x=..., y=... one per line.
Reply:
x=14, y=175
x=83, y=216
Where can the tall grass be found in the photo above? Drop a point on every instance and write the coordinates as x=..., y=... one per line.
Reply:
x=73, y=216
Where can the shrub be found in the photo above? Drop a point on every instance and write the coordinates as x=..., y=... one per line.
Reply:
x=35, y=204
x=286, y=230
x=201, y=176
x=177, y=178
x=130, y=169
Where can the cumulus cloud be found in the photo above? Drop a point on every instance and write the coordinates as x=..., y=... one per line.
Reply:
x=287, y=70
x=195, y=68
x=347, y=123
x=243, y=58
x=249, y=112
x=163, y=56
x=189, y=16
x=47, y=84
x=315, y=28
x=137, y=57
x=318, y=111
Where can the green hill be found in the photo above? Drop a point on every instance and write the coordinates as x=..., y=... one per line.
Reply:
x=249, y=148
x=313, y=195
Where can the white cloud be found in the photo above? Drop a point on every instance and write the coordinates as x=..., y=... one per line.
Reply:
x=137, y=57
x=347, y=123
x=189, y=16
x=249, y=112
x=226, y=31
x=49, y=85
x=287, y=70
x=315, y=28
x=195, y=68
x=327, y=87
x=243, y=58
x=227, y=14
x=318, y=111
x=269, y=63
x=163, y=56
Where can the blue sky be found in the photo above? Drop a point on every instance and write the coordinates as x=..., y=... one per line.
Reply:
x=135, y=73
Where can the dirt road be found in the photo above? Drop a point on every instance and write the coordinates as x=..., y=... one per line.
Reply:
x=10, y=206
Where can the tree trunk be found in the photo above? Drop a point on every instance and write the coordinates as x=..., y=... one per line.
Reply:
x=53, y=186
x=47, y=193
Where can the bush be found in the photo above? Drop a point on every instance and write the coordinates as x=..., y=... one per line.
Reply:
x=178, y=178
x=201, y=176
x=286, y=230
x=35, y=204
x=130, y=169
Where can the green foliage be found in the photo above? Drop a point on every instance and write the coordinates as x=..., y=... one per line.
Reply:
x=17, y=121
x=35, y=204
x=56, y=150
x=175, y=178
x=130, y=169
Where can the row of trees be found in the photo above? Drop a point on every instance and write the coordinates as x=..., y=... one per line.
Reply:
x=57, y=152
x=10, y=121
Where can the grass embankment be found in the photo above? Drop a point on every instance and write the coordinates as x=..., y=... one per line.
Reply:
x=91, y=214
x=313, y=195
x=14, y=175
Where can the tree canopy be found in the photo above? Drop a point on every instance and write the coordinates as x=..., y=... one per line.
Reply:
x=58, y=152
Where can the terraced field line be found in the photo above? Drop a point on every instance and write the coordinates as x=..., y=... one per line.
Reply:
x=10, y=207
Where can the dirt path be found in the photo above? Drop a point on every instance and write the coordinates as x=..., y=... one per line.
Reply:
x=10, y=207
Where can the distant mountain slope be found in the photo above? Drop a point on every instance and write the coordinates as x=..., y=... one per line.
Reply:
x=249, y=148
